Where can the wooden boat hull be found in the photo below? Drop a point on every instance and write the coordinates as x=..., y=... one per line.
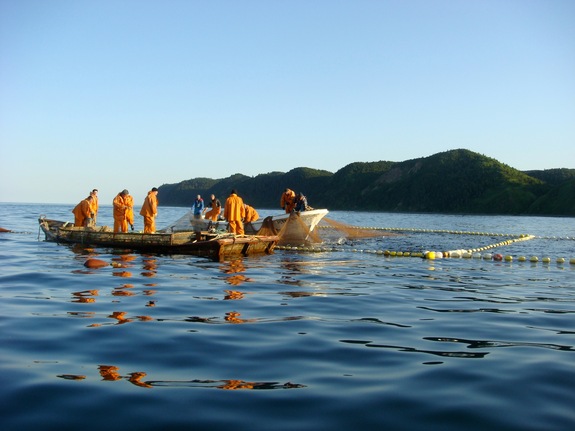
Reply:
x=214, y=246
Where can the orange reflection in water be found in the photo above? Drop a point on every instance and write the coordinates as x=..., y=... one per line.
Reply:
x=122, y=293
x=234, y=267
x=237, y=279
x=233, y=295
x=110, y=373
x=136, y=379
x=84, y=296
x=234, y=317
x=236, y=384
x=122, y=274
x=124, y=258
x=150, y=264
x=120, y=316
x=150, y=267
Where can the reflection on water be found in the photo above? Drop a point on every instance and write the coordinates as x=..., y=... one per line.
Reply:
x=85, y=296
x=119, y=318
x=415, y=350
x=233, y=295
x=234, y=268
x=482, y=344
x=150, y=267
x=110, y=373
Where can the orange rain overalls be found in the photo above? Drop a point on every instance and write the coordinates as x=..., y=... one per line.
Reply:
x=288, y=200
x=234, y=212
x=121, y=209
x=130, y=211
x=82, y=212
x=251, y=214
x=149, y=211
x=215, y=211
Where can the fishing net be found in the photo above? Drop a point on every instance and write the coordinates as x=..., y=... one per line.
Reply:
x=292, y=231
x=334, y=229
x=268, y=228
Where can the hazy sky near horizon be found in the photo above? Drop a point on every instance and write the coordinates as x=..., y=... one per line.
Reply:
x=133, y=94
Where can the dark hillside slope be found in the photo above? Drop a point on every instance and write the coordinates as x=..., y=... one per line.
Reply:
x=455, y=181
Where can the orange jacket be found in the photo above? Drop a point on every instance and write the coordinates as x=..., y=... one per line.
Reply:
x=287, y=200
x=121, y=207
x=234, y=209
x=150, y=206
x=130, y=211
x=251, y=214
x=94, y=205
x=83, y=210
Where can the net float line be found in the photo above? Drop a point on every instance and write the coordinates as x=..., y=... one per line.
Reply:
x=355, y=232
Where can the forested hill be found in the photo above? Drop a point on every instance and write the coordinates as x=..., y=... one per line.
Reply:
x=456, y=182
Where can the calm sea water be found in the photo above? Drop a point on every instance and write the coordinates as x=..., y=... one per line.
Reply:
x=333, y=340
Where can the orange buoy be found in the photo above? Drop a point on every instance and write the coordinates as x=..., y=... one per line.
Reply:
x=95, y=263
x=4, y=230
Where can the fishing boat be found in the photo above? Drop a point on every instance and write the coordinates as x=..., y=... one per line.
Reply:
x=214, y=245
x=272, y=224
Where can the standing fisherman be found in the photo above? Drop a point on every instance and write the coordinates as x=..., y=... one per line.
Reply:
x=150, y=210
x=122, y=207
x=234, y=212
x=198, y=207
x=130, y=211
x=216, y=209
x=94, y=194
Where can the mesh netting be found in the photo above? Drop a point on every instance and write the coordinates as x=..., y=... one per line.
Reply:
x=292, y=231
x=268, y=228
x=332, y=230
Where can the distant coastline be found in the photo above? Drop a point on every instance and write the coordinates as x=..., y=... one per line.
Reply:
x=452, y=182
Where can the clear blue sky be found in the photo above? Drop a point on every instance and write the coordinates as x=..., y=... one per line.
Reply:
x=133, y=94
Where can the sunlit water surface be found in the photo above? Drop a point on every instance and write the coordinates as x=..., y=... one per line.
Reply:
x=332, y=340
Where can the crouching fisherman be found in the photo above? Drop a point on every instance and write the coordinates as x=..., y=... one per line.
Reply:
x=83, y=212
x=300, y=203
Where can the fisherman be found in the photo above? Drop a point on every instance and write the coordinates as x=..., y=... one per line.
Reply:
x=198, y=207
x=130, y=211
x=83, y=212
x=122, y=207
x=251, y=214
x=150, y=210
x=287, y=200
x=234, y=212
x=216, y=209
x=300, y=203
x=94, y=194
